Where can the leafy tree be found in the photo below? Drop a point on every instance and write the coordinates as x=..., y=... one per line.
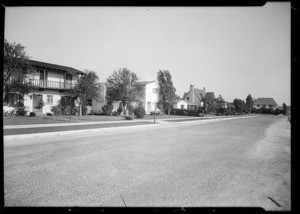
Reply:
x=249, y=103
x=284, y=109
x=209, y=101
x=123, y=86
x=86, y=88
x=239, y=105
x=220, y=103
x=166, y=91
x=16, y=70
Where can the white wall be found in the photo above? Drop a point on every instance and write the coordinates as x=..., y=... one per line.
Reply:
x=55, y=76
x=151, y=98
x=28, y=102
x=178, y=104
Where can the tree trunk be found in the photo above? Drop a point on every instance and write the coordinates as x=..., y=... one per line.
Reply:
x=169, y=110
x=80, y=109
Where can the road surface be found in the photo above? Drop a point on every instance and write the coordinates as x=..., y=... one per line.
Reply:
x=239, y=162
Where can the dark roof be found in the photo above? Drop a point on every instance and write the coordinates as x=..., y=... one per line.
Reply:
x=265, y=101
x=200, y=93
x=146, y=82
x=55, y=67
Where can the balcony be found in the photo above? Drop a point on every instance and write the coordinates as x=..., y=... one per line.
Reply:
x=53, y=84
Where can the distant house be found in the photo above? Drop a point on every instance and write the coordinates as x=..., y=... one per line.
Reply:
x=180, y=104
x=51, y=81
x=265, y=102
x=194, y=97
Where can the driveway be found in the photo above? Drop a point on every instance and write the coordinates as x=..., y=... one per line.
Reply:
x=240, y=162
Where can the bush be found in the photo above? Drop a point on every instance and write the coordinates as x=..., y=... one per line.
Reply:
x=107, y=109
x=128, y=117
x=49, y=114
x=56, y=110
x=115, y=113
x=32, y=114
x=139, y=112
x=21, y=109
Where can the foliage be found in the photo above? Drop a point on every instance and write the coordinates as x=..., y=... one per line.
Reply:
x=166, y=95
x=128, y=117
x=107, y=109
x=209, y=102
x=56, y=110
x=220, y=105
x=16, y=69
x=49, y=114
x=123, y=86
x=139, y=112
x=239, y=105
x=84, y=110
x=249, y=103
x=120, y=109
x=21, y=109
x=39, y=103
x=284, y=109
x=86, y=88
x=32, y=114
x=186, y=112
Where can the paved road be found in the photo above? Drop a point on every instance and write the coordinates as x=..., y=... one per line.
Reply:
x=240, y=162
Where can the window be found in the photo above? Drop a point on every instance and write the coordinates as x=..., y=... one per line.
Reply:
x=50, y=99
x=154, y=90
x=188, y=98
x=182, y=106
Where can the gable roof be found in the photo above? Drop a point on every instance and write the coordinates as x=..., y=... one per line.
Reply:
x=200, y=93
x=265, y=101
x=55, y=67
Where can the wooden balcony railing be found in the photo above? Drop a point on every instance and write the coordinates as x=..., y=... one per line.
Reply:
x=53, y=84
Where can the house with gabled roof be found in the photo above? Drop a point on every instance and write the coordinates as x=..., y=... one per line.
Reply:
x=194, y=97
x=52, y=81
x=265, y=102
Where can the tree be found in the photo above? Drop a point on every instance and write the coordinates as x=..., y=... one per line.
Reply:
x=239, y=105
x=166, y=91
x=16, y=70
x=209, y=101
x=86, y=88
x=220, y=104
x=123, y=86
x=249, y=103
x=284, y=109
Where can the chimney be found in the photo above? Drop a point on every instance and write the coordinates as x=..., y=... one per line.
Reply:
x=192, y=93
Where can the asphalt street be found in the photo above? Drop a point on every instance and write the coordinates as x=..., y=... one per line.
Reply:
x=239, y=162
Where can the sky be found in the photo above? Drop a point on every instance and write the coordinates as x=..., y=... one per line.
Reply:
x=231, y=51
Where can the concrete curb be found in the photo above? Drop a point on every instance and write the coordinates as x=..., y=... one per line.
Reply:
x=76, y=132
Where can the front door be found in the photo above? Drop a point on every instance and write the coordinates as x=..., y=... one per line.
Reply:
x=36, y=103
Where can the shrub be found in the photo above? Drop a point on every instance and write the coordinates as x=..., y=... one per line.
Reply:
x=32, y=114
x=84, y=110
x=49, y=114
x=128, y=117
x=56, y=110
x=115, y=113
x=21, y=109
x=107, y=109
x=139, y=112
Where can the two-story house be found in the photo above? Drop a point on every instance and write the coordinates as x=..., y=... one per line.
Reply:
x=194, y=97
x=52, y=82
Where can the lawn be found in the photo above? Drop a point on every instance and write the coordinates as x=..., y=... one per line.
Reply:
x=22, y=120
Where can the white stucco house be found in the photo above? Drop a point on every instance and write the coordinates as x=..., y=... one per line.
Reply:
x=52, y=82
x=194, y=97
x=149, y=99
